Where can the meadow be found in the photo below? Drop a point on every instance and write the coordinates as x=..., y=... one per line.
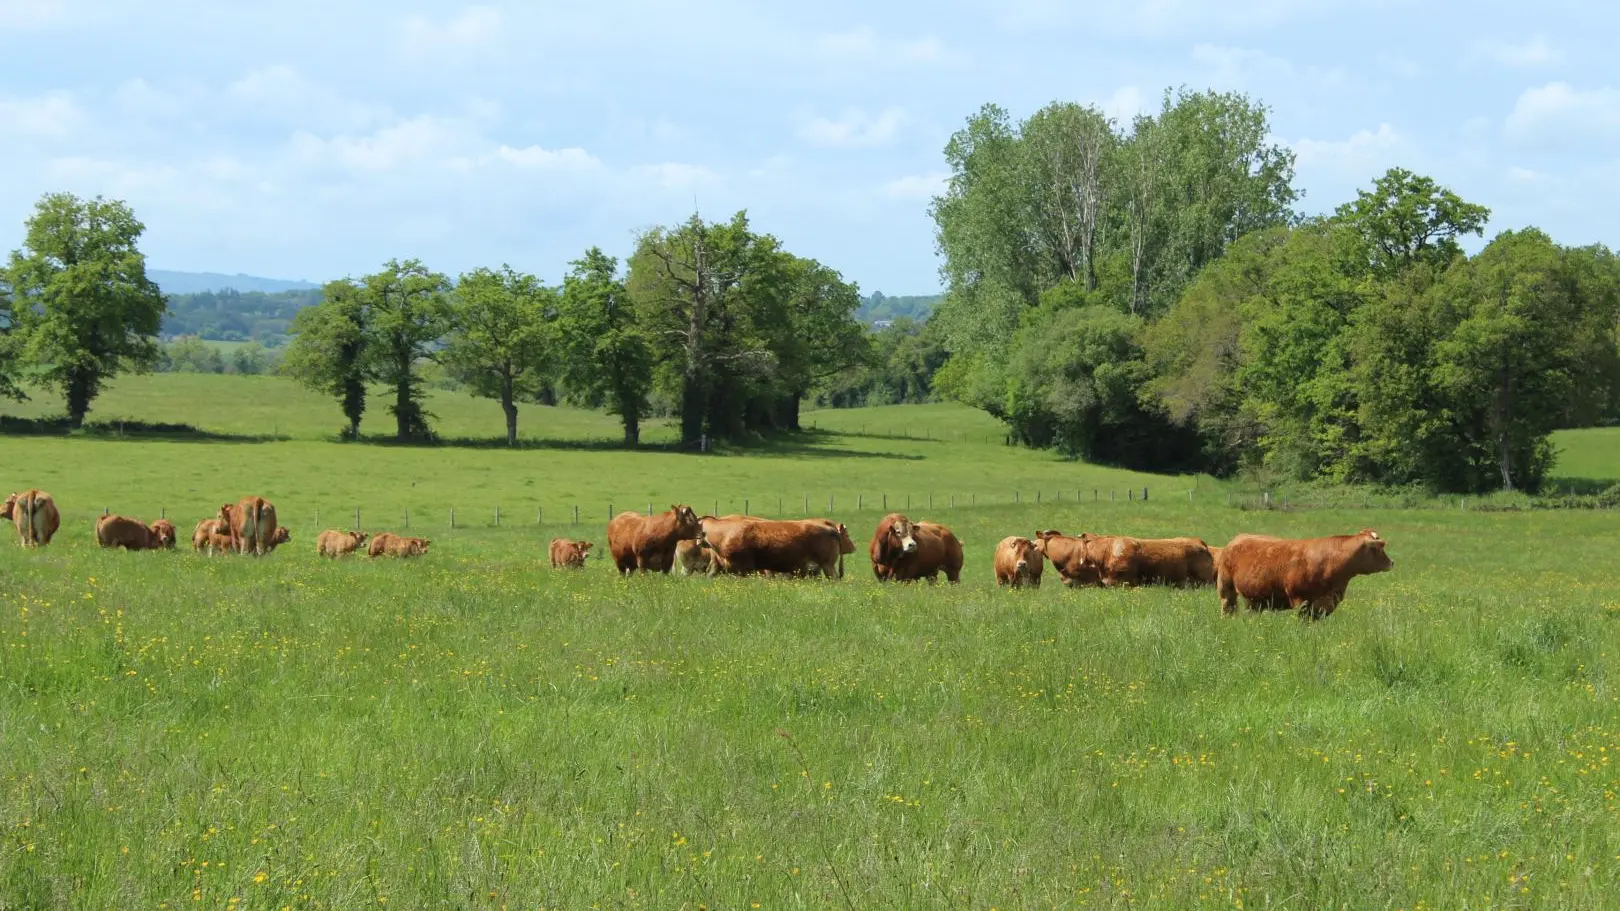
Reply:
x=473, y=729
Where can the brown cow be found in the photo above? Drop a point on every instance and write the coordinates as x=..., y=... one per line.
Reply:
x=252, y=523
x=1119, y=560
x=647, y=543
x=696, y=557
x=392, y=545
x=1310, y=574
x=1068, y=556
x=35, y=514
x=130, y=534
x=1019, y=563
x=785, y=547
x=210, y=535
x=569, y=554
x=903, y=550
x=334, y=543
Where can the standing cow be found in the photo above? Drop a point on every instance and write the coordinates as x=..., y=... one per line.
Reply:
x=1309, y=574
x=647, y=543
x=35, y=515
x=1119, y=560
x=903, y=550
x=252, y=525
x=1019, y=563
x=1068, y=556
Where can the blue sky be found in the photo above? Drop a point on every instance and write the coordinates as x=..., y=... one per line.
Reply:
x=314, y=140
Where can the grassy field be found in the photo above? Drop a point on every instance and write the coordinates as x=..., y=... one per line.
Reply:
x=475, y=730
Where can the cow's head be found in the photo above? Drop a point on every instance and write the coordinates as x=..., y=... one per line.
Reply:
x=845, y=545
x=283, y=535
x=582, y=549
x=1370, y=556
x=686, y=521
x=1042, y=537
x=1024, y=550
x=419, y=546
x=903, y=534
x=9, y=510
x=163, y=530
x=226, y=513
x=359, y=537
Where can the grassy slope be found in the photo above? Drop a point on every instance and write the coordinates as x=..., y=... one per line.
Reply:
x=474, y=730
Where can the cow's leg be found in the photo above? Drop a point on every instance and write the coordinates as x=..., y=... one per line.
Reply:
x=1228, y=593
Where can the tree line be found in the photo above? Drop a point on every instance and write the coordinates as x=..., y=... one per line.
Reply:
x=1147, y=295
x=715, y=320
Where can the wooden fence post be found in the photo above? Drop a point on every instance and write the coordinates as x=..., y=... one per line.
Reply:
x=576, y=513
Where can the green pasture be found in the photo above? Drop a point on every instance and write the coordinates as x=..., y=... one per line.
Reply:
x=475, y=730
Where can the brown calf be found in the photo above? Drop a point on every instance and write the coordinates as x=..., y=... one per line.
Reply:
x=130, y=534
x=1068, y=556
x=392, y=545
x=1309, y=574
x=1145, y=561
x=334, y=543
x=570, y=554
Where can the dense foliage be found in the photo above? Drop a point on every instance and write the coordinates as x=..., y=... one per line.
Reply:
x=1148, y=297
x=234, y=316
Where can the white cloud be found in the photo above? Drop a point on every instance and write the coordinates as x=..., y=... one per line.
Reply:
x=1558, y=111
x=475, y=28
x=862, y=45
x=916, y=186
x=856, y=129
x=418, y=140
x=1123, y=106
x=281, y=92
x=52, y=116
x=1365, y=152
x=1236, y=67
x=1532, y=53
x=674, y=176
x=537, y=157
x=32, y=14
x=1165, y=17
x=1525, y=175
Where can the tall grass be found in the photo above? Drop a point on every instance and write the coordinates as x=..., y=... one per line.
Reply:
x=472, y=729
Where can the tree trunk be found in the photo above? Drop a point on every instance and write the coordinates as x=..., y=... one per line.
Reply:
x=790, y=411
x=80, y=390
x=632, y=430
x=693, y=409
x=509, y=406
x=1504, y=455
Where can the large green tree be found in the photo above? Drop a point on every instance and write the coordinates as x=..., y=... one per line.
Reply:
x=81, y=297
x=328, y=351
x=407, y=314
x=10, y=346
x=607, y=361
x=503, y=341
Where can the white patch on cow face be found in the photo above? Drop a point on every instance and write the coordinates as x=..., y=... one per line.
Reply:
x=908, y=543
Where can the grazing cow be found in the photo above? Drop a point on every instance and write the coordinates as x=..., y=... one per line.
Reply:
x=35, y=515
x=212, y=535
x=903, y=550
x=569, y=554
x=780, y=547
x=1019, y=563
x=696, y=557
x=1309, y=574
x=282, y=536
x=1120, y=560
x=1068, y=556
x=334, y=543
x=647, y=543
x=392, y=545
x=130, y=534
x=252, y=523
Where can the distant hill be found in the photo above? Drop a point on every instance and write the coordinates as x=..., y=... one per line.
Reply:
x=197, y=282
x=879, y=307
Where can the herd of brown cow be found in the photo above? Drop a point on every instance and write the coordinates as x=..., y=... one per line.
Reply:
x=247, y=526
x=1309, y=575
